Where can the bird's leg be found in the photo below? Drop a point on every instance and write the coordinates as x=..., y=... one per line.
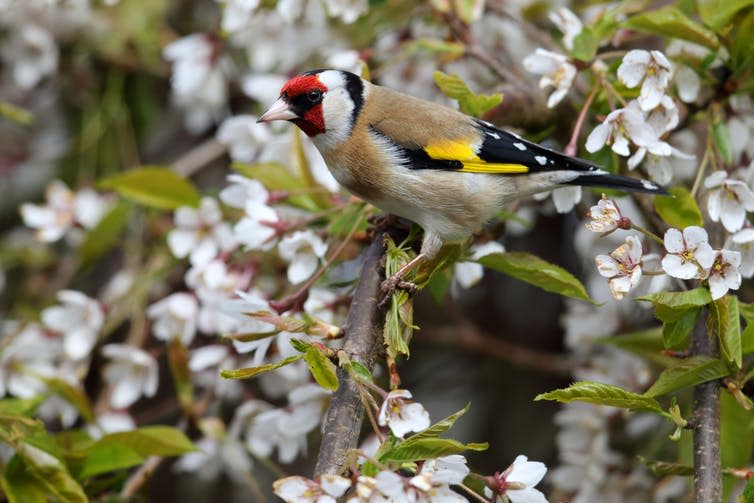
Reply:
x=396, y=280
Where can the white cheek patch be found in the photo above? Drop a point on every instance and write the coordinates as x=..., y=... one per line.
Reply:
x=338, y=109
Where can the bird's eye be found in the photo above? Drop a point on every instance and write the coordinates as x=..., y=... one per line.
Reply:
x=314, y=95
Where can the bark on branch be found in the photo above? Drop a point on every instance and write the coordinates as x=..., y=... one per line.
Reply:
x=705, y=421
x=362, y=343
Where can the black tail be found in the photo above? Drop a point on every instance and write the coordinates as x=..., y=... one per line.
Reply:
x=607, y=180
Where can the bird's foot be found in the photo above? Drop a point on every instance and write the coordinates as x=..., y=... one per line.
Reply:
x=393, y=283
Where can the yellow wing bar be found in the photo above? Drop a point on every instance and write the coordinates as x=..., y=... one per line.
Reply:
x=493, y=168
x=463, y=151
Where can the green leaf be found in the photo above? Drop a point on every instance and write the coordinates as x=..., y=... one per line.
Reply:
x=680, y=300
x=275, y=176
x=679, y=209
x=358, y=371
x=428, y=448
x=20, y=406
x=299, y=345
x=151, y=441
x=72, y=394
x=439, y=427
x=747, y=336
x=688, y=372
x=603, y=394
x=104, y=458
x=153, y=186
x=20, y=486
x=50, y=473
x=15, y=113
x=538, y=272
x=677, y=325
x=104, y=236
x=736, y=433
x=436, y=46
x=585, y=45
x=718, y=13
x=727, y=325
x=322, y=369
x=748, y=494
x=741, y=55
x=721, y=136
x=439, y=285
x=671, y=22
x=646, y=343
x=472, y=104
x=247, y=373
x=665, y=468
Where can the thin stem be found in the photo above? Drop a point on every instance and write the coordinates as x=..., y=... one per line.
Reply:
x=473, y=493
x=700, y=172
x=648, y=233
x=571, y=148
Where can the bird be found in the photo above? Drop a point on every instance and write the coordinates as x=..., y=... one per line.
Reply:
x=429, y=163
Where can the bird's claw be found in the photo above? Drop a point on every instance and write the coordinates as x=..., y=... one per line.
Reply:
x=393, y=283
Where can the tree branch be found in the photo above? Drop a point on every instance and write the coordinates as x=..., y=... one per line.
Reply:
x=362, y=343
x=705, y=423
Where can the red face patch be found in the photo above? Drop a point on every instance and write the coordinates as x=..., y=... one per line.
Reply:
x=296, y=90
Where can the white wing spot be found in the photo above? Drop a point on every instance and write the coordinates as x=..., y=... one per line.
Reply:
x=649, y=185
x=541, y=159
x=494, y=135
x=519, y=145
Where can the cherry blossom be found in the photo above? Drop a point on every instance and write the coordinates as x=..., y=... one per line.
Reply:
x=688, y=84
x=303, y=251
x=32, y=53
x=402, y=415
x=213, y=285
x=78, y=319
x=205, y=363
x=568, y=23
x=469, y=273
x=63, y=210
x=132, y=373
x=728, y=200
x=622, y=267
x=297, y=489
x=256, y=229
x=347, y=11
x=556, y=72
x=242, y=190
x=110, y=422
x=743, y=242
x=243, y=136
x=518, y=481
x=437, y=475
x=29, y=353
x=653, y=68
x=263, y=87
x=200, y=233
x=606, y=217
x=724, y=274
x=174, y=317
x=563, y=198
x=237, y=14
x=689, y=253
x=216, y=453
x=626, y=124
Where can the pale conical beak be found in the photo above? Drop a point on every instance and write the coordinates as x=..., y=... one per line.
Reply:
x=279, y=111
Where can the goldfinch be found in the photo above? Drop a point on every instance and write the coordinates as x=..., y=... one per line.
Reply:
x=429, y=163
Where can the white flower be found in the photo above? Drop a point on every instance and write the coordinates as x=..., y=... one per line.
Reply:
x=743, y=242
x=110, y=422
x=435, y=477
x=556, y=72
x=606, y=217
x=527, y=474
x=401, y=415
x=256, y=230
x=219, y=453
x=174, y=317
x=240, y=308
x=263, y=87
x=728, y=201
x=63, y=210
x=651, y=67
x=198, y=78
x=724, y=274
x=214, y=285
x=347, y=10
x=26, y=356
x=688, y=84
x=297, y=489
x=131, y=372
x=626, y=124
x=205, y=363
x=79, y=320
x=622, y=266
x=348, y=60
x=469, y=273
x=237, y=14
x=200, y=233
x=243, y=136
x=242, y=190
x=689, y=253
x=32, y=54
x=568, y=23
x=303, y=251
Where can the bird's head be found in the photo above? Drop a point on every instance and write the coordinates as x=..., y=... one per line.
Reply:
x=320, y=102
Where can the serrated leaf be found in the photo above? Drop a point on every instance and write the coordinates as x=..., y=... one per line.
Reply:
x=665, y=468
x=247, y=373
x=439, y=427
x=535, y=271
x=472, y=104
x=680, y=300
x=728, y=327
x=689, y=372
x=299, y=345
x=603, y=394
x=104, y=236
x=721, y=136
x=322, y=369
x=428, y=448
x=679, y=209
x=153, y=186
x=677, y=325
x=718, y=13
x=669, y=21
